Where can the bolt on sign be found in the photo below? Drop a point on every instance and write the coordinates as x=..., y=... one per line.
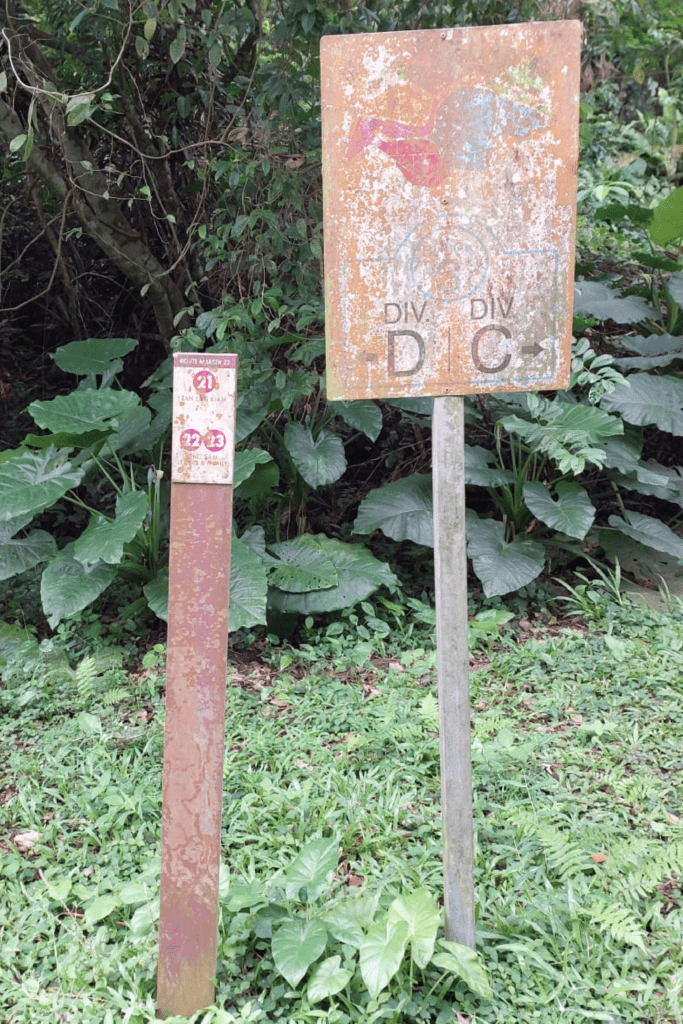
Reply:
x=450, y=168
x=204, y=399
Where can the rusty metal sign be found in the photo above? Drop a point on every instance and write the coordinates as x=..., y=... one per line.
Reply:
x=196, y=671
x=449, y=168
x=204, y=389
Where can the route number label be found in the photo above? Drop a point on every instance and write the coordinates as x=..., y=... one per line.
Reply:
x=204, y=388
x=450, y=168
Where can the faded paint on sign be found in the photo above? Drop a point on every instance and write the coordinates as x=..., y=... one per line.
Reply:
x=450, y=169
x=204, y=390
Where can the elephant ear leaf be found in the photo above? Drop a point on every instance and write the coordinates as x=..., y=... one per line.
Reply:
x=502, y=566
x=68, y=586
x=403, y=510
x=571, y=513
x=32, y=481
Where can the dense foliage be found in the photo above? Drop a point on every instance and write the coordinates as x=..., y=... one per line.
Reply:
x=161, y=170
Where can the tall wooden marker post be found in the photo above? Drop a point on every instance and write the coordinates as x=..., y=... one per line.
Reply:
x=449, y=174
x=204, y=398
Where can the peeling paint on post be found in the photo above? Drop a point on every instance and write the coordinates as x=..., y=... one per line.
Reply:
x=450, y=164
x=449, y=185
x=199, y=590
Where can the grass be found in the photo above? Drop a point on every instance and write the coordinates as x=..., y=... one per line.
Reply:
x=576, y=748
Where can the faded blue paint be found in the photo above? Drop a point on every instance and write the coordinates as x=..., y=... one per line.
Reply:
x=469, y=121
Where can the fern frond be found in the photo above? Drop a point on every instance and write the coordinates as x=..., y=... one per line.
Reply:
x=563, y=855
x=618, y=921
x=85, y=675
x=634, y=871
x=90, y=669
x=428, y=710
x=117, y=695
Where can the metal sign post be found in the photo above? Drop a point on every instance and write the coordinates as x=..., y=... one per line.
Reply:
x=449, y=172
x=450, y=578
x=204, y=397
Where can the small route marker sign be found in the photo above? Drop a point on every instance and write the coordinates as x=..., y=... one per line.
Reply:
x=450, y=166
x=203, y=417
x=449, y=172
x=203, y=434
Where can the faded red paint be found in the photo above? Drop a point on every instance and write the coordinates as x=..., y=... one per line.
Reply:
x=449, y=172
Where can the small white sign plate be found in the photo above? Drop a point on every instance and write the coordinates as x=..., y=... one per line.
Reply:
x=204, y=401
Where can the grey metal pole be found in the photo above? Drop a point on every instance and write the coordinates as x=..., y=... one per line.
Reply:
x=450, y=563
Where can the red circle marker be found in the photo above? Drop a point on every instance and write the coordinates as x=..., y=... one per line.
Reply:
x=204, y=381
x=214, y=440
x=190, y=440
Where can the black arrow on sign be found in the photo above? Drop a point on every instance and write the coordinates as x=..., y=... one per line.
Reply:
x=532, y=350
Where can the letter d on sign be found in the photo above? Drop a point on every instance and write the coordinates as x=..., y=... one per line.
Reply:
x=391, y=352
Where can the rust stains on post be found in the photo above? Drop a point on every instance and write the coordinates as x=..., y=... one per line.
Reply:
x=449, y=171
x=199, y=590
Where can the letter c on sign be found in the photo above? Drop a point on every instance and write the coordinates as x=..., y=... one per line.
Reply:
x=478, y=362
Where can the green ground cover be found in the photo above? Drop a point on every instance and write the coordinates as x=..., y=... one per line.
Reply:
x=332, y=826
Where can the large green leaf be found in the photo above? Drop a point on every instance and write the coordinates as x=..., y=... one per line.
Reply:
x=100, y=907
x=479, y=471
x=81, y=411
x=94, y=355
x=296, y=945
x=246, y=462
x=627, y=470
x=656, y=351
x=103, y=539
x=651, y=532
x=382, y=953
x=363, y=415
x=248, y=587
x=156, y=592
x=32, y=481
x=68, y=586
x=359, y=574
x=667, y=224
x=648, y=400
x=19, y=554
x=63, y=439
x=597, y=299
x=423, y=917
x=259, y=486
x=348, y=921
x=464, y=963
x=418, y=406
x=133, y=431
x=327, y=979
x=572, y=513
x=252, y=408
x=320, y=460
x=303, y=567
x=502, y=566
x=643, y=562
x=403, y=510
x=311, y=869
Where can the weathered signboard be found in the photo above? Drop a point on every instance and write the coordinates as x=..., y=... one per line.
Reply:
x=449, y=167
x=204, y=398
x=204, y=392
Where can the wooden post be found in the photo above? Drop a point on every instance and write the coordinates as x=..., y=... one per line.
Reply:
x=450, y=565
x=199, y=591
